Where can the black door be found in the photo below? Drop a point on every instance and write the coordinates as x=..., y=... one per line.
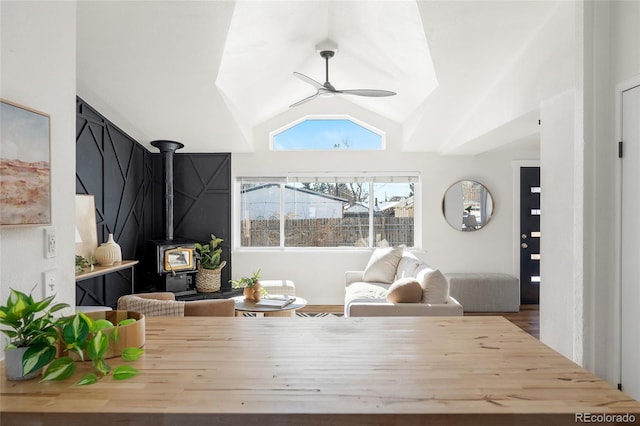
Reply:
x=530, y=235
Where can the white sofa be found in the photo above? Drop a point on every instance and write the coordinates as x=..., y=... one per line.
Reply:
x=369, y=298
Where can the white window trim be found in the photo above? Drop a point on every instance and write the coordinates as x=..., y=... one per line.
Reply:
x=381, y=133
x=414, y=177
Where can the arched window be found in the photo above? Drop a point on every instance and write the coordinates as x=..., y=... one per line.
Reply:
x=324, y=133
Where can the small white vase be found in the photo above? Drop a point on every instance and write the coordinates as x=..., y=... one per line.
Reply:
x=108, y=253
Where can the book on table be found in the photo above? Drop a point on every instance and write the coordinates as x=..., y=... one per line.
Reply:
x=276, y=302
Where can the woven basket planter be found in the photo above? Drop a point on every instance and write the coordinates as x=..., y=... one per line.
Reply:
x=208, y=280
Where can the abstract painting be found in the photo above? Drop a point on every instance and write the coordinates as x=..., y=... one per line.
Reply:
x=25, y=170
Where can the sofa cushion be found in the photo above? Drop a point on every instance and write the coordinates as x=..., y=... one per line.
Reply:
x=383, y=264
x=405, y=290
x=407, y=265
x=435, y=287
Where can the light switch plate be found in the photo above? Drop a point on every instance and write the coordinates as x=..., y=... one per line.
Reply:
x=50, y=249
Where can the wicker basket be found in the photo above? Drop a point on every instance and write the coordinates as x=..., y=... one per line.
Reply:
x=208, y=280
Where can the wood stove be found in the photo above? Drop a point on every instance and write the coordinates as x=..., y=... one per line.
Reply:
x=173, y=259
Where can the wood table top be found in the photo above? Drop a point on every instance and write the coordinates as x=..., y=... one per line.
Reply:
x=329, y=370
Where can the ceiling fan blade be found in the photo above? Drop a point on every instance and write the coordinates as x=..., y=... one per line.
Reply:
x=367, y=92
x=307, y=99
x=308, y=80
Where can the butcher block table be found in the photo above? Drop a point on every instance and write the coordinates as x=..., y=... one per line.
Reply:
x=327, y=371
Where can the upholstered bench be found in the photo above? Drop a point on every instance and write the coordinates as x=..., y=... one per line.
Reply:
x=485, y=292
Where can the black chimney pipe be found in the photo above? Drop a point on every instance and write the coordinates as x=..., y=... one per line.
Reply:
x=167, y=149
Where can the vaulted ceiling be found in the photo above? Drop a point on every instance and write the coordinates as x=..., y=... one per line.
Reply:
x=469, y=75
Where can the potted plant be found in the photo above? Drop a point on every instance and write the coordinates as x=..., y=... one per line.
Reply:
x=252, y=288
x=82, y=337
x=32, y=334
x=209, y=265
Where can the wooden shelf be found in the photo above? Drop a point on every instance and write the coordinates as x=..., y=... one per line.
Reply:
x=99, y=270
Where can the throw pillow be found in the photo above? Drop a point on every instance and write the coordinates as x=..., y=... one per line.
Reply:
x=435, y=287
x=405, y=290
x=383, y=264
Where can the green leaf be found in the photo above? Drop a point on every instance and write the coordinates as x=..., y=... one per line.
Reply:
x=98, y=345
x=58, y=307
x=18, y=304
x=36, y=357
x=42, y=305
x=124, y=372
x=101, y=365
x=76, y=331
x=114, y=334
x=127, y=321
x=132, y=354
x=87, y=320
x=60, y=369
x=88, y=379
x=102, y=323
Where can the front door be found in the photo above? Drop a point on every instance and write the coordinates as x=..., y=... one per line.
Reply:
x=529, y=235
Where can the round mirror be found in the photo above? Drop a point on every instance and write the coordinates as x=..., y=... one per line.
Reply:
x=467, y=205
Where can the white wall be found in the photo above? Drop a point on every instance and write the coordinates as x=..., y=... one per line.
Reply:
x=616, y=52
x=38, y=70
x=319, y=275
x=579, y=306
x=557, y=206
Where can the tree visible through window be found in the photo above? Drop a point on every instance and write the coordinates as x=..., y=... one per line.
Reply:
x=321, y=134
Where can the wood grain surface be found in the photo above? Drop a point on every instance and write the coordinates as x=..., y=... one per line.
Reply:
x=322, y=371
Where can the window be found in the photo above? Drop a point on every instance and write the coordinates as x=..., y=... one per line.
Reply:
x=314, y=211
x=327, y=133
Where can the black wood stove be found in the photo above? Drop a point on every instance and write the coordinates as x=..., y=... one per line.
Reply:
x=173, y=259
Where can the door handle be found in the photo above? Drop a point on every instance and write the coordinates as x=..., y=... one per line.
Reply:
x=524, y=245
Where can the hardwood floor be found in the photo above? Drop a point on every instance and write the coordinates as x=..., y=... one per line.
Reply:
x=527, y=319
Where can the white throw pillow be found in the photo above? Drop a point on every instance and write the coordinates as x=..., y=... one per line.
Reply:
x=405, y=290
x=383, y=264
x=435, y=287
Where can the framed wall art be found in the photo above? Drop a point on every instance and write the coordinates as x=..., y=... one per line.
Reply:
x=25, y=166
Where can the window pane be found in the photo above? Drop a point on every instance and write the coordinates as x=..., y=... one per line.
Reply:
x=260, y=214
x=327, y=134
x=393, y=214
x=326, y=214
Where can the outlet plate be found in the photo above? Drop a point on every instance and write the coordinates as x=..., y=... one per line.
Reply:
x=50, y=249
x=50, y=282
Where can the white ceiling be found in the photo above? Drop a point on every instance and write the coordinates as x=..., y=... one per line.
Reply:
x=469, y=75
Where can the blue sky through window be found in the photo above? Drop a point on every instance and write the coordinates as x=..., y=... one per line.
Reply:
x=327, y=134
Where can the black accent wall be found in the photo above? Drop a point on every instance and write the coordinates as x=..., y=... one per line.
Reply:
x=126, y=180
x=202, y=201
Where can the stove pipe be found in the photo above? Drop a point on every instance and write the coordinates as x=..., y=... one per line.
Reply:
x=167, y=149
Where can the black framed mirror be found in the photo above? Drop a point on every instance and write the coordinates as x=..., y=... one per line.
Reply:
x=467, y=205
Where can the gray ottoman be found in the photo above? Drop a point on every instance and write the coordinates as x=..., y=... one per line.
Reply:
x=485, y=292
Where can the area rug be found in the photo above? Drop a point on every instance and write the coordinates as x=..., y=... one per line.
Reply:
x=303, y=314
x=317, y=314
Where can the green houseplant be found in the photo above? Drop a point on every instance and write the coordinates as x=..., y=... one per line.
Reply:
x=32, y=334
x=209, y=265
x=252, y=288
x=82, y=336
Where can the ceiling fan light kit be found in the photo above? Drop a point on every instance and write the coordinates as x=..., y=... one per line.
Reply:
x=327, y=89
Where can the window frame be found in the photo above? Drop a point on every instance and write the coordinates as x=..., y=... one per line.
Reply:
x=329, y=117
x=283, y=180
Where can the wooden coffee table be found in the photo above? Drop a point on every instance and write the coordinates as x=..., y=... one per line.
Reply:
x=243, y=305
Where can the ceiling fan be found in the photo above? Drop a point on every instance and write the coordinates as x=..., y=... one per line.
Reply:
x=327, y=88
